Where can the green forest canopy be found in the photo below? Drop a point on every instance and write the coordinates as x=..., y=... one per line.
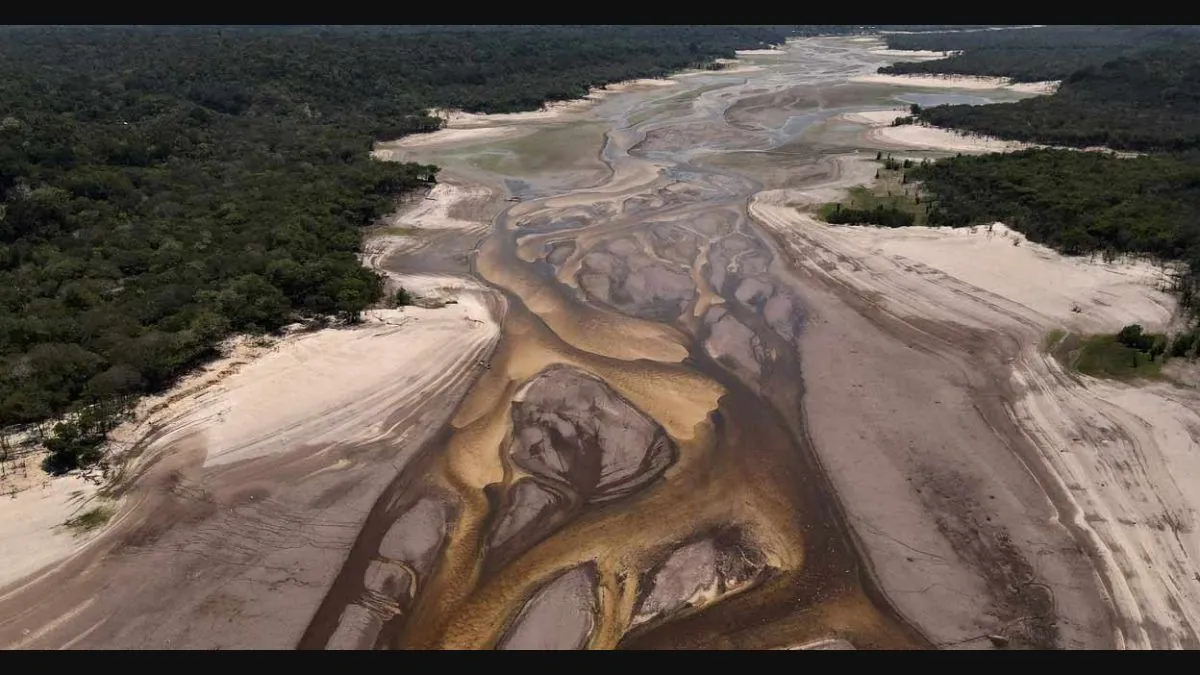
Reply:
x=162, y=187
x=1031, y=54
x=1149, y=101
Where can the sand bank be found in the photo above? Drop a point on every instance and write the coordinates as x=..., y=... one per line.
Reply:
x=1129, y=458
x=958, y=82
x=925, y=137
x=35, y=507
x=910, y=54
x=451, y=135
x=759, y=52
x=921, y=137
x=1117, y=459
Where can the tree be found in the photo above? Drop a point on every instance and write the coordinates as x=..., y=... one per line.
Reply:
x=1132, y=336
x=253, y=304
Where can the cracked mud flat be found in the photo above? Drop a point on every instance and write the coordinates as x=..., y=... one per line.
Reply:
x=707, y=422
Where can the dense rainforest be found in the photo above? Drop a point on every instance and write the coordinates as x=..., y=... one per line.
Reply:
x=1029, y=54
x=163, y=187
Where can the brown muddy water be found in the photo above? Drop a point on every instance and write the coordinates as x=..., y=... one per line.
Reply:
x=632, y=468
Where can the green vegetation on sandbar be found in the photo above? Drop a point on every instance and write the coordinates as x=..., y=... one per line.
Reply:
x=1104, y=356
x=1130, y=354
x=891, y=201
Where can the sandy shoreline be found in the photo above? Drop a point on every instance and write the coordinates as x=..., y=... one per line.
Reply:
x=925, y=137
x=958, y=82
x=458, y=119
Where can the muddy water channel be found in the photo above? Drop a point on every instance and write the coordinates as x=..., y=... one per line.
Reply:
x=632, y=468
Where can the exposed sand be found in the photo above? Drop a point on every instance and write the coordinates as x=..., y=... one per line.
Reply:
x=450, y=135
x=925, y=137
x=34, y=508
x=1129, y=457
x=1046, y=284
x=457, y=119
x=759, y=52
x=958, y=82
x=336, y=386
x=736, y=70
x=873, y=118
x=910, y=54
x=922, y=137
x=1119, y=459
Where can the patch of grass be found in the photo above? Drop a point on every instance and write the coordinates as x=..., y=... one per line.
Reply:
x=1052, y=339
x=398, y=231
x=90, y=520
x=1103, y=356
